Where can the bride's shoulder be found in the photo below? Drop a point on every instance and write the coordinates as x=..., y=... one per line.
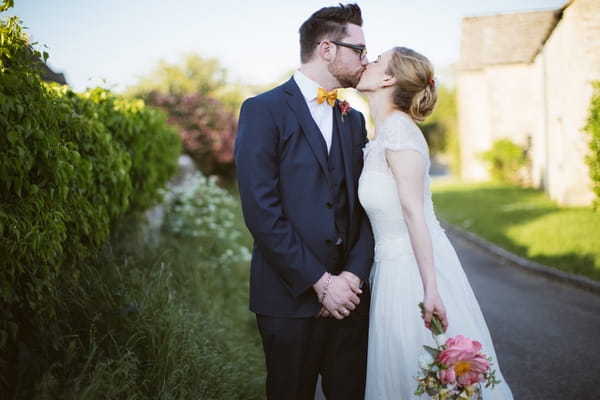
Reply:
x=400, y=125
x=399, y=132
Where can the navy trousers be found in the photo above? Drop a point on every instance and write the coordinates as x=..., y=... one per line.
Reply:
x=297, y=350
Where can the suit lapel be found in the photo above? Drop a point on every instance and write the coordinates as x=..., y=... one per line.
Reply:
x=345, y=137
x=309, y=127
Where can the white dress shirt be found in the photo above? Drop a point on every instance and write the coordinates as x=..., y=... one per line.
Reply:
x=321, y=113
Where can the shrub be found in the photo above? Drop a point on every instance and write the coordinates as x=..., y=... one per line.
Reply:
x=142, y=133
x=70, y=166
x=593, y=128
x=201, y=211
x=207, y=130
x=506, y=161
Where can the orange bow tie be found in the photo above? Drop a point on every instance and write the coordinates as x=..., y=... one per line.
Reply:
x=323, y=95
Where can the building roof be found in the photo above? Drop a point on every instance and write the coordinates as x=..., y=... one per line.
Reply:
x=505, y=38
x=50, y=76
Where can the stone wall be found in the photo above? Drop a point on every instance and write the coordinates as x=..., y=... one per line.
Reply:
x=569, y=62
x=544, y=103
x=494, y=103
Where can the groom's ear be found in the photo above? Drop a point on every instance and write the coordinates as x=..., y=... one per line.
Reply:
x=326, y=51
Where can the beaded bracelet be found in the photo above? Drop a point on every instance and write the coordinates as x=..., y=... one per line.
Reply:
x=325, y=287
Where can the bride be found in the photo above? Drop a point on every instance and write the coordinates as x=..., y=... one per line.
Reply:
x=414, y=260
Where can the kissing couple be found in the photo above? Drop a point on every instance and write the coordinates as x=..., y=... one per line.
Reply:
x=346, y=242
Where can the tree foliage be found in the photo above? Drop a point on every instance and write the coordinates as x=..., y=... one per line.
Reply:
x=193, y=75
x=593, y=128
x=440, y=128
x=6, y=4
x=206, y=128
x=201, y=104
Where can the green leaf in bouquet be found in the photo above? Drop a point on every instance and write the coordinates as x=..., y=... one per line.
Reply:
x=433, y=352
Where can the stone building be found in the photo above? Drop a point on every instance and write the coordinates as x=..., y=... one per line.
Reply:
x=528, y=77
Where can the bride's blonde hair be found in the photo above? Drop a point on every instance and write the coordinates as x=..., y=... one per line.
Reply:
x=415, y=92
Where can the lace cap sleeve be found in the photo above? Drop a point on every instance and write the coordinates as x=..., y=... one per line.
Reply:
x=401, y=133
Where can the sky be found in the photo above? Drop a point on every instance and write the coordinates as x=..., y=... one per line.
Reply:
x=112, y=43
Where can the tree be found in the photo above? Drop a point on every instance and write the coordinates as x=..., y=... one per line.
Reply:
x=203, y=106
x=194, y=75
x=440, y=128
x=206, y=128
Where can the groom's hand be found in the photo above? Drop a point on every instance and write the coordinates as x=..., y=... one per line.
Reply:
x=350, y=277
x=323, y=313
x=341, y=296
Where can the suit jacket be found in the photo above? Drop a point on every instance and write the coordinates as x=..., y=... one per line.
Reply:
x=287, y=200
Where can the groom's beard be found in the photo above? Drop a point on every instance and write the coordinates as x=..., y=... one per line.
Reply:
x=345, y=77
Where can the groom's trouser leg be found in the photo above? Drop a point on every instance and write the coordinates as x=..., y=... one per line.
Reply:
x=344, y=368
x=293, y=352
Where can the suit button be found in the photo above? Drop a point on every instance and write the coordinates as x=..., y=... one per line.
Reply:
x=329, y=204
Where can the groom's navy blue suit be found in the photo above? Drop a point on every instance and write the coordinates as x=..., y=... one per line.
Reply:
x=301, y=205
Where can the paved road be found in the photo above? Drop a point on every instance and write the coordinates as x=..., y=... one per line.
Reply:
x=546, y=332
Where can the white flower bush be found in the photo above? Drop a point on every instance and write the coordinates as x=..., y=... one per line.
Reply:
x=198, y=209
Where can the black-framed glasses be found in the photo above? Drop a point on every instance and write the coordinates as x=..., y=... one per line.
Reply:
x=362, y=50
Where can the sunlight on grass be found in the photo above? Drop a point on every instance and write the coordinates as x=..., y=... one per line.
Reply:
x=525, y=222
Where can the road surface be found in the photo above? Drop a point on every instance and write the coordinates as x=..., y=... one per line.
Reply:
x=546, y=332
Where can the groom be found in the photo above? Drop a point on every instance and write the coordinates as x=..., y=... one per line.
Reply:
x=298, y=157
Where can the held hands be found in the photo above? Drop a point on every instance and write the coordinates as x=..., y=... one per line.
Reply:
x=340, y=294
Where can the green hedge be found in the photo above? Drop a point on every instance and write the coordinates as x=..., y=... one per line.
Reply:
x=70, y=165
x=593, y=128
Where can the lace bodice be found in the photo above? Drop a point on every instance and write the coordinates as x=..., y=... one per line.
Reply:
x=377, y=187
x=398, y=132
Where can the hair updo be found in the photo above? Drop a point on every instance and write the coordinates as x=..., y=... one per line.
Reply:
x=415, y=92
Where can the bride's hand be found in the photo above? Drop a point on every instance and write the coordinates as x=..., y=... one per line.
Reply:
x=433, y=304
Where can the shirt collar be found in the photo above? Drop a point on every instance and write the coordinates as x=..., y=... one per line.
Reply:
x=307, y=86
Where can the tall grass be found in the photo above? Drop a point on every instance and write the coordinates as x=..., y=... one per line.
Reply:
x=159, y=314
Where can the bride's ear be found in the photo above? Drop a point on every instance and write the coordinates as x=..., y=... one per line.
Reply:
x=388, y=80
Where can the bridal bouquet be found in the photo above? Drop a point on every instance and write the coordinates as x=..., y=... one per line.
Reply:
x=455, y=369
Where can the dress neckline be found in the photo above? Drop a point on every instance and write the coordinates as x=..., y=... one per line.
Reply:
x=393, y=115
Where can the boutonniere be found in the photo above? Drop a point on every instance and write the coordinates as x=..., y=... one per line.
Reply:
x=344, y=108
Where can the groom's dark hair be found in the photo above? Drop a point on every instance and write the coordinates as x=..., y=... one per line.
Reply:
x=328, y=21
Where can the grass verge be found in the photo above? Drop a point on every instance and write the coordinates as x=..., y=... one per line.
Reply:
x=524, y=222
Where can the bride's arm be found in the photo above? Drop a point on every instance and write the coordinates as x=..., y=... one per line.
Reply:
x=408, y=167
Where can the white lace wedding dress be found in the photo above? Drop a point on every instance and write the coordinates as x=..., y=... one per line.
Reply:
x=396, y=330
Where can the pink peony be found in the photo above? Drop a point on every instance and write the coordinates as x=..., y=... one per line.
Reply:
x=448, y=376
x=463, y=361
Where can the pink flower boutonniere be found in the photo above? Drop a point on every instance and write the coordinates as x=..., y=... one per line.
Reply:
x=344, y=108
